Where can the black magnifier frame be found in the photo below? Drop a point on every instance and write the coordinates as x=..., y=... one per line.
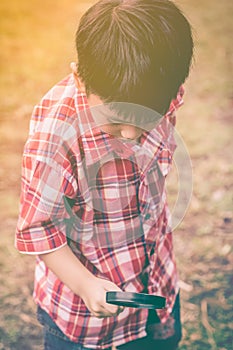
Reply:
x=136, y=300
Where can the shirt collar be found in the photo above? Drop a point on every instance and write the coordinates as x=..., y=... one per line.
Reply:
x=97, y=144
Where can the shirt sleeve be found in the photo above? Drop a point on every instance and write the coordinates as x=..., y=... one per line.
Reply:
x=41, y=224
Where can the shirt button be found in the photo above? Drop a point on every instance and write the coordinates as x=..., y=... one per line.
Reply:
x=120, y=151
x=147, y=217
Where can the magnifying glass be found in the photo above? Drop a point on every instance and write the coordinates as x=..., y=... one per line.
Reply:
x=137, y=300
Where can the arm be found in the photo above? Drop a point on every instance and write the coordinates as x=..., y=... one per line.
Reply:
x=41, y=227
x=40, y=230
x=81, y=281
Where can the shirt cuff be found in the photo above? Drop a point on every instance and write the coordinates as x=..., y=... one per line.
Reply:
x=44, y=252
x=39, y=240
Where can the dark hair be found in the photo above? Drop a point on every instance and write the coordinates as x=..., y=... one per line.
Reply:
x=136, y=51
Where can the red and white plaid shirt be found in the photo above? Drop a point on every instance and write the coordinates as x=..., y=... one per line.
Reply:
x=106, y=199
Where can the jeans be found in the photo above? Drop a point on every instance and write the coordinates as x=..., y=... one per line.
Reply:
x=54, y=339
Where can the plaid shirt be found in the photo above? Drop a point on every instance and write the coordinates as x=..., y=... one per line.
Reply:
x=106, y=199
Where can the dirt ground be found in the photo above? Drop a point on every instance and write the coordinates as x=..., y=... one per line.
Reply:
x=36, y=51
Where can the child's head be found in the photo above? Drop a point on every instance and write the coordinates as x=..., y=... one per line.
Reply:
x=136, y=51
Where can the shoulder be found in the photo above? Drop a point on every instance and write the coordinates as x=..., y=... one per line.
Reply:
x=55, y=121
x=62, y=103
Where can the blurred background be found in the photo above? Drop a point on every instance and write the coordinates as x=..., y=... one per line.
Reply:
x=37, y=46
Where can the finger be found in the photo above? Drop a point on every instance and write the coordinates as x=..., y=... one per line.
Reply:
x=102, y=314
x=113, y=309
x=104, y=310
x=117, y=311
x=108, y=311
x=121, y=309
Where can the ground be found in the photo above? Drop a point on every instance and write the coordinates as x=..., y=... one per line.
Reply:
x=36, y=48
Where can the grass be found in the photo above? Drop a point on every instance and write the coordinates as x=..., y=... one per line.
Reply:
x=36, y=48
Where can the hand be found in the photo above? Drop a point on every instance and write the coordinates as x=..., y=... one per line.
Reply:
x=91, y=289
x=94, y=297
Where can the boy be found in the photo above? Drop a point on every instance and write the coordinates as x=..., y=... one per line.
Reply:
x=93, y=206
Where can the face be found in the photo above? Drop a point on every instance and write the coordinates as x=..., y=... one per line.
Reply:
x=125, y=131
x=109, y=122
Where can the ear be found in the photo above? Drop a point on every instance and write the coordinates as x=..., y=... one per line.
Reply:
x=78, y=82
